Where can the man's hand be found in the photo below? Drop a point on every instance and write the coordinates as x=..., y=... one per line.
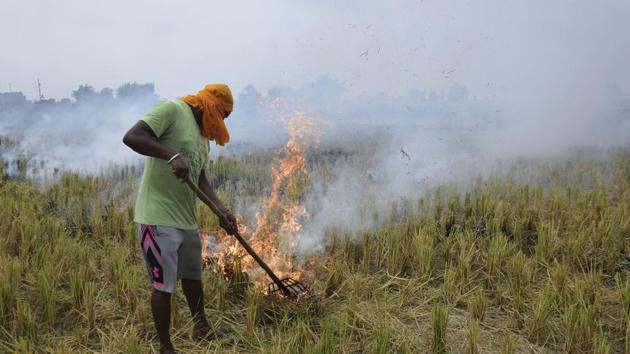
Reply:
x=180, y=168
x=228, y=223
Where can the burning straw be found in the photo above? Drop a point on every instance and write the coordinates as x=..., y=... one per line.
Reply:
x=282, y=213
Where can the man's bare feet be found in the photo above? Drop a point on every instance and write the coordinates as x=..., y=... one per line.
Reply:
x=202, y=331
x=205, y=332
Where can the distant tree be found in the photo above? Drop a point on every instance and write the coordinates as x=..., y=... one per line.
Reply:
x=106, y=93
x=64, y=103
x=83, y=93
x=326, y=86
x=248, y=103
x=276, y=92
x=135, y=91
x=322, y=95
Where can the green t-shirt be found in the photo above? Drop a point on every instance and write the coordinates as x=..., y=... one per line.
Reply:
x=162, y=198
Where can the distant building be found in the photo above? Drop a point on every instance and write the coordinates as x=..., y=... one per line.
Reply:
x=45, y=103
x=12, y=99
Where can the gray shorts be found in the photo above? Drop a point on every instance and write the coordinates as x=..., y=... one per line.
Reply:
x=170, y=254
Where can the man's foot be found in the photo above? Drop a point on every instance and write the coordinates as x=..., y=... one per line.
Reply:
x=204, y=332
x=167, y=350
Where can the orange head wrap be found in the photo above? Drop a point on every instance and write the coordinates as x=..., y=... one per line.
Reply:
x=214, y=101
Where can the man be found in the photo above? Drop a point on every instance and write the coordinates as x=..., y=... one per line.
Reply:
x=174, y=136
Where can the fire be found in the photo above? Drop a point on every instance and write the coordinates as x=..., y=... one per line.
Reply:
x=278, y=223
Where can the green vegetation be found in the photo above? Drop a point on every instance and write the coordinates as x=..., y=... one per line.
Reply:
x=535, y=260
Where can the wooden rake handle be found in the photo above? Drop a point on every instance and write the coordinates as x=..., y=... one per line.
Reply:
x=241, y=240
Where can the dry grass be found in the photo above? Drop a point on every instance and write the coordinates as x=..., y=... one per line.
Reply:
x=528, y=262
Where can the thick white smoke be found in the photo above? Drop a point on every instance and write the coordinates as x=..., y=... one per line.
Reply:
x=82, y=135
x=384, y=148
x=455, y=142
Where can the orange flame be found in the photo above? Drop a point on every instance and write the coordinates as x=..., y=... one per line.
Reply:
x=278, y=224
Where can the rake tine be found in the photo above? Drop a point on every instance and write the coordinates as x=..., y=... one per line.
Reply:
x=292, y=288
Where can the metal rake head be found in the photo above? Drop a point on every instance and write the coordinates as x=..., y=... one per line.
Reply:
x=291, y=289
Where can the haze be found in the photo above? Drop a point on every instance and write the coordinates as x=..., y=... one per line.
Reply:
x=547, y=51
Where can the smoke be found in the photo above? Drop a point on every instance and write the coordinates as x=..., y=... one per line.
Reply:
x=446, y=138
x=46, y=137
x=381, y=150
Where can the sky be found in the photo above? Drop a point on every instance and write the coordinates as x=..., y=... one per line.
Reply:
x=539, y=51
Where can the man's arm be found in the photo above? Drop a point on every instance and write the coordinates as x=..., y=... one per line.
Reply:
x=226, y=220
x=141, y=139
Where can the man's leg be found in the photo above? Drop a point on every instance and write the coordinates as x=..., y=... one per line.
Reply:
x=193, y=290
x=189, y=271
x=160, y=247
x=161, y=308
